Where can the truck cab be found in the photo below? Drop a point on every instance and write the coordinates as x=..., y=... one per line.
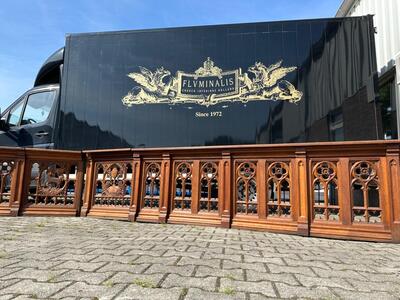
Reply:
x=31, y=120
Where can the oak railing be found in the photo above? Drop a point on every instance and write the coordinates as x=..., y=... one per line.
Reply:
x=342, y=189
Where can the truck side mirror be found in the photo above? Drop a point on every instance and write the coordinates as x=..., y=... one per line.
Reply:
x=3, y=123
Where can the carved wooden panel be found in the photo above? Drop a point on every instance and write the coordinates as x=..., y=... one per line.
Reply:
x=246, y=189
x=52, y=184
x=325, y=191
x=365, y=185
x=209, y=187
x=183, y=186
x=278, y=190
x=113, y=184
x=152, y=185
x=6, y=172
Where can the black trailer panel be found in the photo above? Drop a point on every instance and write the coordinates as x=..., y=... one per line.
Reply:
x=277, y=82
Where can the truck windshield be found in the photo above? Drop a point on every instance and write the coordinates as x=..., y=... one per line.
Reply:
x=38, y=107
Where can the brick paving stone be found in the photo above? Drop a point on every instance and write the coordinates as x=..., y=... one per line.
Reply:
x=260, y=276
x=308, y=281
x=203, y=271
x=262, y=287
x=83, y=266
x=81, y=289
x=35, y=274
x=124, y=277
x=198, y=294
x=135, y=292
x=318, y=292
x=35, y=289
x=357, y=295
x=132, y=267
x=212, y=263
x=173, y=280
x=180, y=270
x=87, y=277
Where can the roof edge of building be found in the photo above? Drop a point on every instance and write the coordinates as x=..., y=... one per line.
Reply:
x=344, y=8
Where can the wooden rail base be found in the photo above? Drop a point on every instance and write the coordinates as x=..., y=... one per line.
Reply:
x=347, y=190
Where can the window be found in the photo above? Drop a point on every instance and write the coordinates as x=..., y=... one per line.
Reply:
x=388, y=110
x=38, y=107
x=15, y=114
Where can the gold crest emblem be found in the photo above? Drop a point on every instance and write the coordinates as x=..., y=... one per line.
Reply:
x=210, y=85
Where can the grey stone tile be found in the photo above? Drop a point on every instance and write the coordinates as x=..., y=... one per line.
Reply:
x=87, y=277
x=288, y=291
x=38, y=289
x=81, y=289
x=359, y=295
x=206, y=283
x=139, y=293
x=263, y=287
x=180, y=270
x=118, y=267
x=198, y=294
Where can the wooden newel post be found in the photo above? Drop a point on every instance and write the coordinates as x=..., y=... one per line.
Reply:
x=89, y=186
x=392, y=156
x=302, y=193
x=225, y=189
x=17, y=185
x=135, y=188
x=165, y=187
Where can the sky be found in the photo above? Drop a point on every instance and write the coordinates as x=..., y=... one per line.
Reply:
x=31, y=30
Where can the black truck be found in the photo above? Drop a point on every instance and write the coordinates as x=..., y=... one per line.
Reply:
x=255, y=83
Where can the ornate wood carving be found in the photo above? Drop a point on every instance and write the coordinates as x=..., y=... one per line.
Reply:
x=113, y=184
x=183, y=186
x=366, y=202
x=6, y=172
x=325, y=192
x=52, y=183
x=209, y=187
x=152, y=185
x=246, y=189
x=278, y=190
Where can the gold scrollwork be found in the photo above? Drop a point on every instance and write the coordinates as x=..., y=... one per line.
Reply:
x=264, y=83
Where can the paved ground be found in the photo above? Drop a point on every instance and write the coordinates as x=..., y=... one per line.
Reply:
x=70, y=258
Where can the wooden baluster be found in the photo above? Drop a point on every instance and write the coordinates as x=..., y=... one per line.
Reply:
x=165, y=188
x=344, y=191
x=195, y=186
x=225, y=189
x=136, y=183
x=261, y=189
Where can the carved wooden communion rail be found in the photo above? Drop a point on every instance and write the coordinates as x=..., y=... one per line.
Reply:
x=342, y=190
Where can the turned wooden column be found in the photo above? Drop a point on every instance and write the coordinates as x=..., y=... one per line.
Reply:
x=89, y=186
x=135, y=187
x=302, y=193
x=195, y=186
x=165, y=187
x=262, y=188
x=344, y=191
x=225, y=189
